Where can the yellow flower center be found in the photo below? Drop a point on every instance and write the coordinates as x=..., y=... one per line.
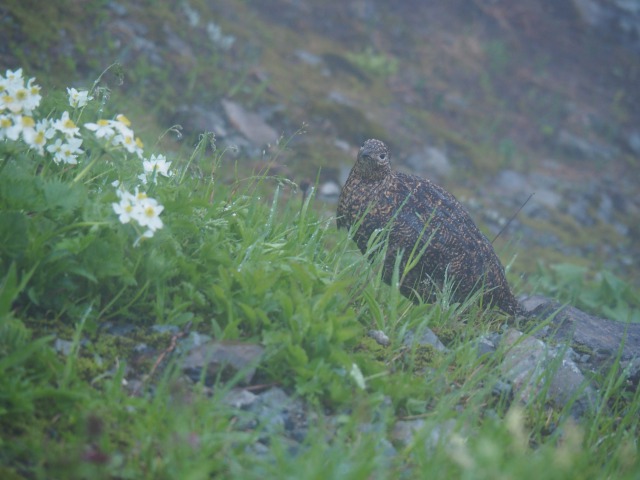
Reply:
x=124, y=120
x=69, y=124
x=28, y=122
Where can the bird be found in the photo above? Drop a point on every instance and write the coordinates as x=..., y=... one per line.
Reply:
x=428, y=229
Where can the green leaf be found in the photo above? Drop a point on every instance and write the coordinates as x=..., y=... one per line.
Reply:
x=65, y=196
x=13, y=233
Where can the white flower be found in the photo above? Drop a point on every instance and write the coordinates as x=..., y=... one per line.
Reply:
x=78, y=99
x=43, y=132
x=102, y=128
x=66, y=152
x=128, y=142
x=154, y=166
x=140, y=208
x=6, y=122
x=126, y=207
x=119, y=132
x=11, y=80
x=55, y=148
x=149, y=214
x=67, y=126
x=22, y=125
x=18, y=97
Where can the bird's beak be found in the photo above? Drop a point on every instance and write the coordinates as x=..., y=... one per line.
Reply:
x=365, y=153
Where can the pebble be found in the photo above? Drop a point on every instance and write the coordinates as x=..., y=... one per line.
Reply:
x=426, y=336
x=380, y=337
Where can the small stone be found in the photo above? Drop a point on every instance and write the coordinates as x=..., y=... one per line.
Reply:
x=329, y=191
x=485, y=346
x=308, y=58
x=427, y=337
x=380, y=337
x=240, y=398
x=63, y=346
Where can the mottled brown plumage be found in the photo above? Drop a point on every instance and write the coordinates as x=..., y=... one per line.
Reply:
x=422, y=217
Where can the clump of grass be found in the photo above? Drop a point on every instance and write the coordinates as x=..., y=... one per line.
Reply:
x=605, y=293
x=248, y=261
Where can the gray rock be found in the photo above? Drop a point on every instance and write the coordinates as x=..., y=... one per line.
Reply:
x=548, y=198
x=533, y=369
x=633, y=141
x=222, y=359
x=579, y=146
x=580, y=210
x=512, y=182
x=425, y=337
x=430, y=162
x=589, y=11
x=329, y=191
x=198, y=119
x=240, y=398
x=406, y=432
x=308, y=58
x=605, y=208
x=606, y=339
x=380, y=337
x=63, y=346
x=118, y=9
x=249, y=124
x=485, y=345
x=275, y=412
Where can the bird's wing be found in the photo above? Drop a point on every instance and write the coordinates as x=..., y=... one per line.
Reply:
x=429, y=210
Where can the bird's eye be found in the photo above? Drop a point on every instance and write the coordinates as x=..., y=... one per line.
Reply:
x=383, y=156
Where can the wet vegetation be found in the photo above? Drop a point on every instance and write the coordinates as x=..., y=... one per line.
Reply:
x=94, y=304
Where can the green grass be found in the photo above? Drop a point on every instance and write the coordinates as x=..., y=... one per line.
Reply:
x=247, y=260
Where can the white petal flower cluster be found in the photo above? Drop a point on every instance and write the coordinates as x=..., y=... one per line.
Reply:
x=156, y=165
x=18, y=100
x=118, y=132
x=78, y=99
x=61, y=139
x=140, y=208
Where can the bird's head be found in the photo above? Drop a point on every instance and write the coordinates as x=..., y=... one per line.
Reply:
x=374, y=160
